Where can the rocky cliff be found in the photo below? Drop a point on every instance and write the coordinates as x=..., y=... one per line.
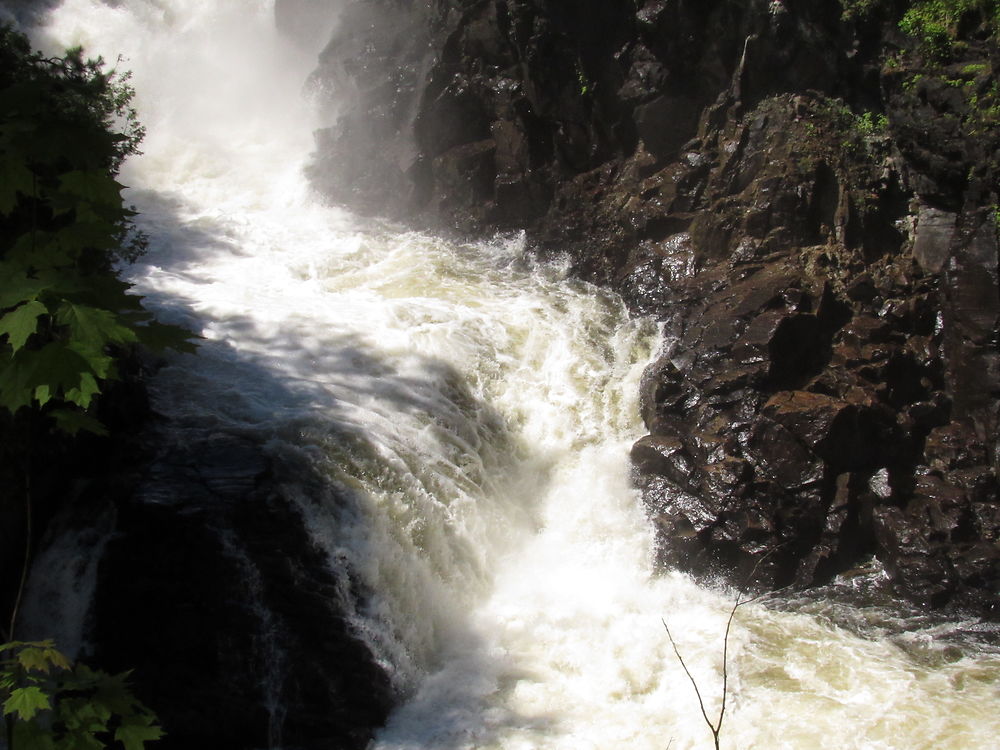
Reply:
x=213, y=591
x=807, y=196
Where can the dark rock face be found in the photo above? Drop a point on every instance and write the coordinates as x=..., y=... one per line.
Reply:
x=829, y=277
x=51, y=471
x=209, y=588
x=233, y=620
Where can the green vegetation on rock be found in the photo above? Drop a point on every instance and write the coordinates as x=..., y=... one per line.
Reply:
x=937, y=23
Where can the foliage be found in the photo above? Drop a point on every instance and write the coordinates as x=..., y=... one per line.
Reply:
x=936, y=24
x=49, y=704
x=872, y=125
x=980, y=93
x=65, y=320
x=65, y=127
x=983, y=117
x=860, y=9
x=861, y=136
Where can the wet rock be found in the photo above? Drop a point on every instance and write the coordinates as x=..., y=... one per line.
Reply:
x=810, y=417
x=933, y=239
x=665, y=124
x=233, y=620
x=782, y=458
x=827, y=276
x=664, y=456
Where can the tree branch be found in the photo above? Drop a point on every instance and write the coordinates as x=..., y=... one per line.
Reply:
x=716, y=728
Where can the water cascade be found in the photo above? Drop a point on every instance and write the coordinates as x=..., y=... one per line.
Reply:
x=472, y=410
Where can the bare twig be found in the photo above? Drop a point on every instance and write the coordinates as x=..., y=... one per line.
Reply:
x=716, y=727
x=28, y=534
x=26, y=562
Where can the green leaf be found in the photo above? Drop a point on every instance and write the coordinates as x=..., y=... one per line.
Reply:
x=80, y=716
x=159, y=336
x=16, y=286
x=82, y=739
x=92, y=327
x=80, y=235
x=85, y=679
x=32, y=658
x=38, y=656
x=56, y=366
x=21, y=323
x=16, y=387
x=15, y=178
x=72, y=421
x=113, y=694
x=82, y=395
x=90, y=196
x=35, y=250
x=43, y=394
x=26, y=702
x=109, y=293
x=28, y=734
x=95, y=186
x=57, y=659
x=135, y=731
x=101, y=364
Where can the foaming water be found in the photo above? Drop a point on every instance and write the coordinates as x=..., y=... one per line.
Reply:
x=471, y=410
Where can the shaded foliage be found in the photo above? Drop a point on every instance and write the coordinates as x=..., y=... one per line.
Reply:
x=65, y=316
x=46, y=703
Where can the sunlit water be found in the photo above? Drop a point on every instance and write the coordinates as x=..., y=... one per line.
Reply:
x=476, y=408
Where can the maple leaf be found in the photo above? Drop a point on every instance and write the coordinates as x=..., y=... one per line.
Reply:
x=26, y=702
x=21, y=322
x=15, y=178
x=72, y=421
x=137, y=730
x=92, y=326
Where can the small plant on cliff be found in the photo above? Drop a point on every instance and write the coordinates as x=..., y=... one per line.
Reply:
x=872, y=125
x=860, y=9
x=937, y=23
x=49, y=704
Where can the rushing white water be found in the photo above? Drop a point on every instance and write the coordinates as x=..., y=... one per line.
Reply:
x=477, y=408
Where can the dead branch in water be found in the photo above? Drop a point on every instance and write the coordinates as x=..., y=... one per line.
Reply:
x=716, y=726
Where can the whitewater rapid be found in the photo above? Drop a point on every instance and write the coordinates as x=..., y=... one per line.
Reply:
x=477, y=407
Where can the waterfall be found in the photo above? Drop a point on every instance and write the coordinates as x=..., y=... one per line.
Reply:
x=471, y=409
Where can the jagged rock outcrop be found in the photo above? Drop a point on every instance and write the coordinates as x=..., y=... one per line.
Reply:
x=806, y=197
x=231, y=616
x=233, y=622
